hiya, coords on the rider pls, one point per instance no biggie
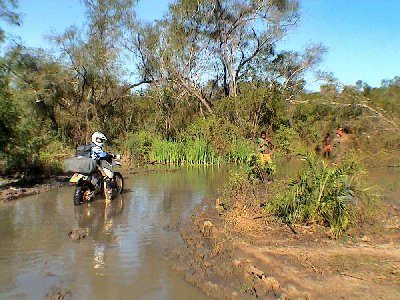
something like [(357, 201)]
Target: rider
[(97, 153), (96, 149)]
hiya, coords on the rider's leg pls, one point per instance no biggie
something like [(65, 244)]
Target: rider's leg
[(106, 185)]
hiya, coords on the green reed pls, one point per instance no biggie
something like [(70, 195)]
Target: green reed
[(197, 152)]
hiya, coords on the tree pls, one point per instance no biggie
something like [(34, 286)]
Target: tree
[(8, 15), (8, 111), (234, 33), (288, 68), (203, 46), (167, 56), (93, 58)]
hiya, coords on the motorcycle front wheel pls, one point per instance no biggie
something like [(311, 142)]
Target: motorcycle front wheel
[(79, 194), (117, 183)]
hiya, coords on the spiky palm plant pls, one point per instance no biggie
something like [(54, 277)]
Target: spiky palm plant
[(321, 192)]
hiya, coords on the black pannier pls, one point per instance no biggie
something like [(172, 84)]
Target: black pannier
[(80, 164)]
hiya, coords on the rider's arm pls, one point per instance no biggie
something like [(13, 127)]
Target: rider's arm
[(98, 153)]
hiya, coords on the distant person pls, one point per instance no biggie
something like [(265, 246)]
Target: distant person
[(265, 146), (339, 132), (326, 145)]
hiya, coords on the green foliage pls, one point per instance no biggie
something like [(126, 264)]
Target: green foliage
[(255, 106), (198, 151), (259, 170), (313, 119), (225, 138), (237, 186), (286, 139), (217, 131), (167, 152), (8, 112), (239, 151), (324, 193), (140, 144), (184, 109), (8, 14)]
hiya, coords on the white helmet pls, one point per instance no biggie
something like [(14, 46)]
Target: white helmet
[(98, 135)]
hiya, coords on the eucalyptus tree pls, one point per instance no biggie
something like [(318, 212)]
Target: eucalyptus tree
[(167, 57), (8, 14), (94, 58), (8, 112), (235, 33)]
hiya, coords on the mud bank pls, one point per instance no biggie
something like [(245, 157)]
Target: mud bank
[(29, 186), (255, 259)]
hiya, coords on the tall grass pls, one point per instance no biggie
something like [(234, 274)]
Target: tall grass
[(323, 193), (198, 151), (195, 151), (240, 152)]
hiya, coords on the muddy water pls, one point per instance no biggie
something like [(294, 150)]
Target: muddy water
[(122, 257), (386, 181)]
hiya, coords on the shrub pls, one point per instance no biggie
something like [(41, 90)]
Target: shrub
[(237, 186), (196, 151), (240, 151), (327, 194), (285, 139), (259, 170), (140, 144), (218, 132)]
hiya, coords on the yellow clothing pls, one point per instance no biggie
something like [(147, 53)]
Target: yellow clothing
[(266, 157)]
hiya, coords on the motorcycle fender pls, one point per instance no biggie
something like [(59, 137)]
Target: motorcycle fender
[(108, 173)]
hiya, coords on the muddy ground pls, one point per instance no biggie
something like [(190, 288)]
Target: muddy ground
[(12, 189), (254, 258)]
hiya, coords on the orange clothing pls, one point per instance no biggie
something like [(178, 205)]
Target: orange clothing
[(339, 132)]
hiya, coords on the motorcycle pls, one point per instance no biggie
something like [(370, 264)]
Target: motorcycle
[(88, 185)]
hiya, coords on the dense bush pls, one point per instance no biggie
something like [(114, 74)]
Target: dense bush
[(162, 125), (195, 151)]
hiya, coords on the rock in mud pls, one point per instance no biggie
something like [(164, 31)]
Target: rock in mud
[(58, 294), (207, 228), (237, 263), (77, 234)]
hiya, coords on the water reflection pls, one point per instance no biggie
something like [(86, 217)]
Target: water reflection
[(122, 256)]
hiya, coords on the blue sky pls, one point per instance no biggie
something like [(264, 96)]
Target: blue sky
[(362, 36)]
